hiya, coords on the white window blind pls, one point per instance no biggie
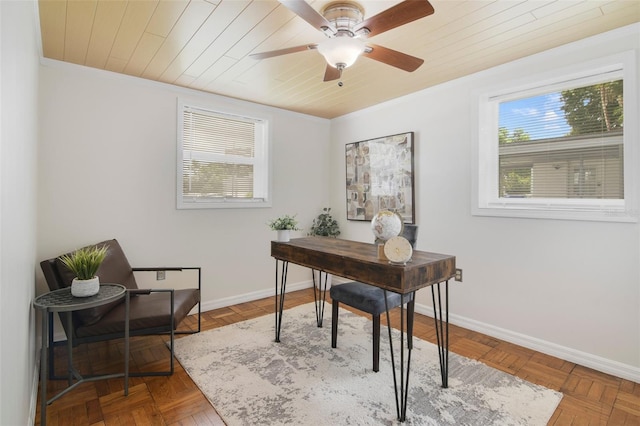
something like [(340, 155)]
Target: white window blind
[(557, 145), (563, 143), (222, 159)]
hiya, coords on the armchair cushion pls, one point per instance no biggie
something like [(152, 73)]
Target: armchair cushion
[(114, 269), (148, 311)]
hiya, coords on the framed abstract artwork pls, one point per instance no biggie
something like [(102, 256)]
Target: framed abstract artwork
[(380, 177)]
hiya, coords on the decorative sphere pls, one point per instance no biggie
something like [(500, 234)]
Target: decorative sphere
[(386, 224)]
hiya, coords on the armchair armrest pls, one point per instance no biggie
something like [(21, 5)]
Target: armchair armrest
[(136, 291), (179, 285), (172, 268), (165, 268)]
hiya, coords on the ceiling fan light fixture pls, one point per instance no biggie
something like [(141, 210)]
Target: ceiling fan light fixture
[(341, 52)]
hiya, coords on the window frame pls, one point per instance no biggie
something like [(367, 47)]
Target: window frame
[(261, 162), (485, 159)]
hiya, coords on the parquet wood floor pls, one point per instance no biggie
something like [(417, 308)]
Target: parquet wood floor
[(590, 397)]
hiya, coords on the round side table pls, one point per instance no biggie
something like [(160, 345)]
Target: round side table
[(62, 301)]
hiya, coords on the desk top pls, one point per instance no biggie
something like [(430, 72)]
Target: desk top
[(359, 261), (61, 300)]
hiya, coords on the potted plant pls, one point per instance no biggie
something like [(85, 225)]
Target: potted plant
[(84, 263), (325, 226), (284, 224)]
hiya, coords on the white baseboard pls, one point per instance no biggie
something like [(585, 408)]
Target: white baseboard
[(585, 359), (250, 297), (256, 295)]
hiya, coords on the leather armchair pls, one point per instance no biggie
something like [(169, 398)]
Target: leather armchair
[(150, 310)]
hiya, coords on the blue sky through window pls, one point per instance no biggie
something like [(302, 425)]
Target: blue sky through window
[(540, 116)]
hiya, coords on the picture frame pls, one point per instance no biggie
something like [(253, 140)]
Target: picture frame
[(379, 176)]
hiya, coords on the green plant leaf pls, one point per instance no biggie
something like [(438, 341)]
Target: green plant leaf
[(84, 262)]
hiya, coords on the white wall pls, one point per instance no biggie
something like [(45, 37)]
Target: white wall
[(570, 288), (107, 164), (18, 141)]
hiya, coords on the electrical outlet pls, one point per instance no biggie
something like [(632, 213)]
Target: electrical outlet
[(161, 275), (458, 275)]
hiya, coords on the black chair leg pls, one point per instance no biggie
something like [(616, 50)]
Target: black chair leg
[(334, 323), (376, 343)]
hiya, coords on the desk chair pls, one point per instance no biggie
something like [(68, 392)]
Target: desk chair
[(370, 299)]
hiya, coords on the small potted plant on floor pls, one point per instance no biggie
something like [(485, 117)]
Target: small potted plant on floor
[(84, 263), (324, 225), (284, 225)]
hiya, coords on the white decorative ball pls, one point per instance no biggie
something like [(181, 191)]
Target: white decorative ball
[(386, 224)]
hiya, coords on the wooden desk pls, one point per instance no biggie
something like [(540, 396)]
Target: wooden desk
[(359, 261)]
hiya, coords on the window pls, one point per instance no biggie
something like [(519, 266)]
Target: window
[(559, 147), (222, 159)]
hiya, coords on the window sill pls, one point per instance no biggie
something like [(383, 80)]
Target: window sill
[(612, 214), (227, 204)]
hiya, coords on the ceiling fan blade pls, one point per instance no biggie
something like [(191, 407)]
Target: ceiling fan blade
[(309, 14), (395, 16), (392, 57), (332, 73), (286, 51)]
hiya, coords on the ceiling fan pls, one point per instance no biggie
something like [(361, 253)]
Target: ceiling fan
[(342, 22)]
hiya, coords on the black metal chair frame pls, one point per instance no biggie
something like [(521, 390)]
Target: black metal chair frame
[(132, 333)]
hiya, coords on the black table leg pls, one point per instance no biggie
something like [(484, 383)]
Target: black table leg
[(51, 348), (442, 329), (404, 368), (70, 369), (319, 294), (43, 368), (280, 297), (127, 303)]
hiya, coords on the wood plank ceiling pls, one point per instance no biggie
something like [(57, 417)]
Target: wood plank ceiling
[(205, 45)]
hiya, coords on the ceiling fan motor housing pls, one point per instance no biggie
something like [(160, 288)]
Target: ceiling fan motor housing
[(344, 16)]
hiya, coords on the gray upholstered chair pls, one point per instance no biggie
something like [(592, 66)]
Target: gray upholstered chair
[(370, 299)]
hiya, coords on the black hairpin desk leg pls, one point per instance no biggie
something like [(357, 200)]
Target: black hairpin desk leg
[(404, 367), (442, 328), (280, 296), (319, 294)]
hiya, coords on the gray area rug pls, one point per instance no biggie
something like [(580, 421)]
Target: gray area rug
[(251, 380)]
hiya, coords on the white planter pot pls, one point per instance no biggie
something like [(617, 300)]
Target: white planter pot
[(284, 235), (85, 288), (316, 279)]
